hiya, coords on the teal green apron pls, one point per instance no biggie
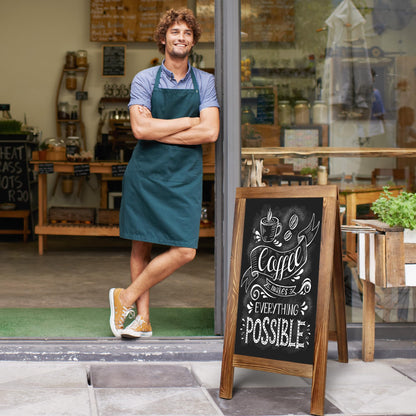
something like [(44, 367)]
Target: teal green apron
[(162, 185)]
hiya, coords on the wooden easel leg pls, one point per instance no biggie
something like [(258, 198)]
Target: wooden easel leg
[(227, 379), (325, 289), (369, 325), (339, 296)]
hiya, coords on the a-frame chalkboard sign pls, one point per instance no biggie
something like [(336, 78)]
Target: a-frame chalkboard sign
[(285, 282)]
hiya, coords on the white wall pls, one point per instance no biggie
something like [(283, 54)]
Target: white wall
[(35, 36)]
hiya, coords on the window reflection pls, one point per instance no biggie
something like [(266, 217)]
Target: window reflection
[(338, 73)]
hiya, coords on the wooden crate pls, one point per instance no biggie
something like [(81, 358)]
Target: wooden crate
[(384, 258), (71, 215), (107, 216)]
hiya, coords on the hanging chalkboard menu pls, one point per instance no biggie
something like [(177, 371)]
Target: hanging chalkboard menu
[(14, 178), (135, 20), (286, 254), (114, 60), (127, 20), (268, 21)]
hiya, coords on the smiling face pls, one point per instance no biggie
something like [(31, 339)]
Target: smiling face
[(179, 40)]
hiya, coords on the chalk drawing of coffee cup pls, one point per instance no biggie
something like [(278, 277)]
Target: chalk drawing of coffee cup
[(270, 227)]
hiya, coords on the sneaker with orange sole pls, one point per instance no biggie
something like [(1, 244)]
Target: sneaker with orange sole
[(138, 328), (118, 312)]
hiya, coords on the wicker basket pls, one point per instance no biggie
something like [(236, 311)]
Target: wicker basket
[(71, 215), (107, 216)]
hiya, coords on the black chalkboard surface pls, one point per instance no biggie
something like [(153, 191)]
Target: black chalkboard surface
[(14, 174), (286, 255), (279, 279), (114, 59)]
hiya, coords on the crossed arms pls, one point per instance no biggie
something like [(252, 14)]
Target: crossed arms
[(184, 130)]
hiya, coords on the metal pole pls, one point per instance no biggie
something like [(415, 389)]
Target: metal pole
[(228, 147)]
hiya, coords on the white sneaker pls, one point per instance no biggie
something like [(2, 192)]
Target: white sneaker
[(138, 328)]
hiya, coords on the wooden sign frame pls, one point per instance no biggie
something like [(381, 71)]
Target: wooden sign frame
[(111, 67), (330, 295)]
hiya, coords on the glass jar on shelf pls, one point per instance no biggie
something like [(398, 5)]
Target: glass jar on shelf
[(320, 112), (63, 110), (301, 112), (73, 147), (71, 81), (285, 113), (71, 129), (70, 60), (82, 58)]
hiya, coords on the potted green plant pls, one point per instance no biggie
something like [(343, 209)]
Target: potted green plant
[(43, 147), (397, 211)]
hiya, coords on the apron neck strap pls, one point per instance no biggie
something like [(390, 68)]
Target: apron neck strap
[(159, 72)]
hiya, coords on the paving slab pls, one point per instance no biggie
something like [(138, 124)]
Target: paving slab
[(405, 367), (141, 376), (155, 402), (35, 375), (374, 399), (357, 372), (373, 388), (270, 402), (41, 402), (208, 375)]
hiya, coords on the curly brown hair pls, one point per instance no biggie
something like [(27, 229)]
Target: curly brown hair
[(176, 16)]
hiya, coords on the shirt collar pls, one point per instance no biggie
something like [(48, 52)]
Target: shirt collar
[(171, 76)]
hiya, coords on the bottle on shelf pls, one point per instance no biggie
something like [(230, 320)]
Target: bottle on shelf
[(74, 112)]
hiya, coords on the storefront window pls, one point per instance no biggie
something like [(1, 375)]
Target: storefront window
[(336, 73)]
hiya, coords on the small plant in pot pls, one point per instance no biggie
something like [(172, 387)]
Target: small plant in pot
[(399, 211), (43, 147)]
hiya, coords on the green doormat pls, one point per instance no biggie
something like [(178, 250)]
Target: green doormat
[(94, 322)]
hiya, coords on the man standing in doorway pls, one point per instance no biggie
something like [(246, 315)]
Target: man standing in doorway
[(173, 110)]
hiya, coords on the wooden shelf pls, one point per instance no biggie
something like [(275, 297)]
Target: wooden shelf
[(92, 230), (78, 229), (325, 151)]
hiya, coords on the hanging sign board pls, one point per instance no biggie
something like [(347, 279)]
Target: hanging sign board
[(127, 20), (280, 284), (14, 178), (114, 60)]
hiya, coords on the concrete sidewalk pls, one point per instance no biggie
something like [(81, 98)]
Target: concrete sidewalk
[(44, 384), (385, 387)]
